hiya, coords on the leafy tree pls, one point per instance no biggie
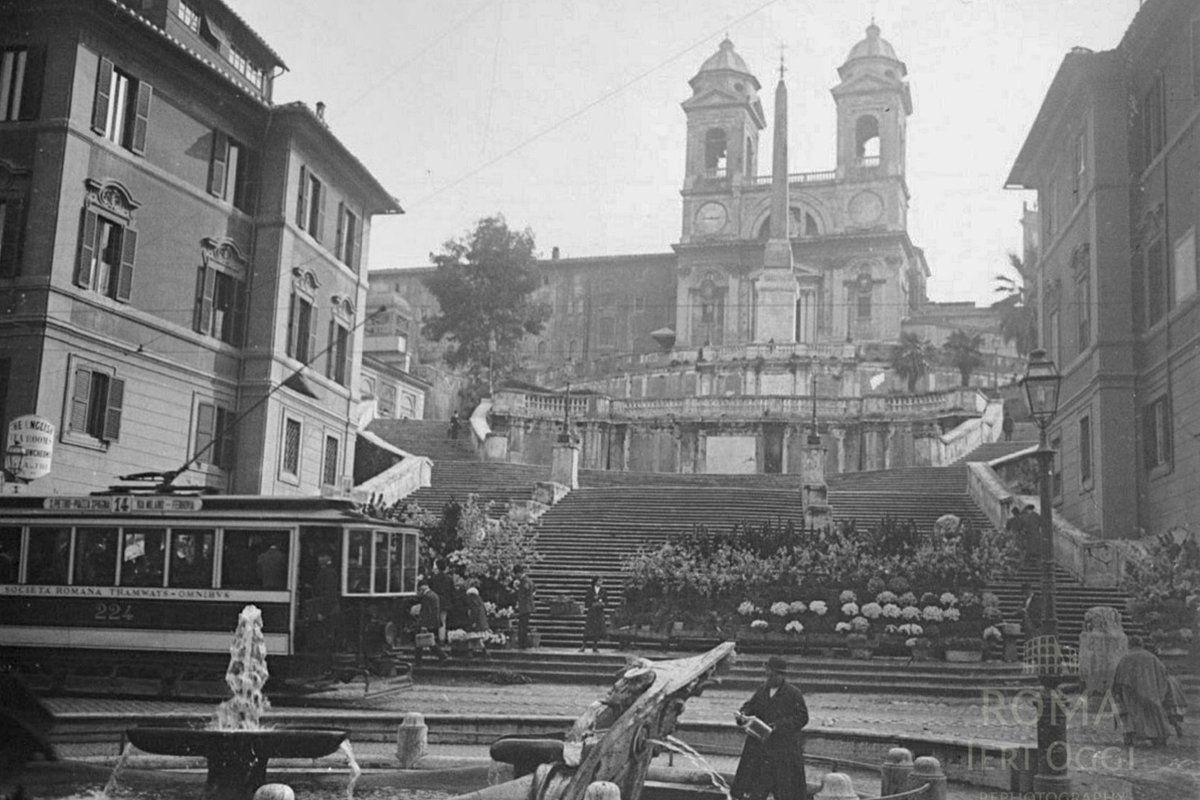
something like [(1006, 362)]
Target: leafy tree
[(963, 353), (484, 284), (912, 358), (1018, 307)]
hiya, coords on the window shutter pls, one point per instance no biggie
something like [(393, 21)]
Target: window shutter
[(13, 223), (79, 400), (358, 237), (100, 106), (31, 91), (87, 250), (205, 424), (141, 122), (216, 166), (112, 411), (319, 199), (341, 231), (331, 351), (302, 199), (347, 358), (246, 192), (293, 325), (1164, 411), (239, 313), (225, 429), (128, 255), (311, 355), (202, 313)]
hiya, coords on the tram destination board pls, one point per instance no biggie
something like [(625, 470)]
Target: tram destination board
[(125, 504)]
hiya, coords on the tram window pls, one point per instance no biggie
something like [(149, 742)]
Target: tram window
[(95, 556), (143, 553), (358, 563), (191, 558), (49, 556), (403, 575), (10, 554), (271, 564), (381, 562)]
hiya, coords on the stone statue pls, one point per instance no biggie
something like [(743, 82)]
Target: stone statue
[(1101, 645)]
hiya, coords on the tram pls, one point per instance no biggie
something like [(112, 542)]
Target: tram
[(136, 591)]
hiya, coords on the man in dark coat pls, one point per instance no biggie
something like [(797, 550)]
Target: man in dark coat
[(526, 590), (774, 764), (428, 620)]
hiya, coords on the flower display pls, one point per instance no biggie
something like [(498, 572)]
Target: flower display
[(885, 597), (872, 610), (929, 599), (907, 599), (948, 599), (847, 596), (850, 609), (991, 600), (794, 627), (746, 608), (992, 634), (797, 607), (992, 614), (910, 612), (818, 607), (931, 614), (910, 642), (780, 609), (842, 627), (890, 629), (456, 635), (891, 611), (860, 624), (951, 614), (759, 624), (911, 629)]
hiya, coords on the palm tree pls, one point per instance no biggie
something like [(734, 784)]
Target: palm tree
[(963, 353), (1018, 307), (912, 358)]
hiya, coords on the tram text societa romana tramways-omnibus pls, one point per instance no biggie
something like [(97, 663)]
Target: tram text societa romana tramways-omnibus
[(141, 592)]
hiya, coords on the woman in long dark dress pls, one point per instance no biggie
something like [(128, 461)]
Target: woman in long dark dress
[(595, 623)]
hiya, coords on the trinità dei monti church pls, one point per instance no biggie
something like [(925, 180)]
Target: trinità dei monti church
[(715, 357)]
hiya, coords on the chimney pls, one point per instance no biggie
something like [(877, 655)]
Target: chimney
[(554, 254), (321, 110)]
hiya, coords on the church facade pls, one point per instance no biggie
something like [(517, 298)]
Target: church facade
[(783, 289)]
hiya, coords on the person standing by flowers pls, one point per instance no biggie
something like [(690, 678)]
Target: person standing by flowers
[(595, 623), (773, 764), (477, 620), (526, 589)]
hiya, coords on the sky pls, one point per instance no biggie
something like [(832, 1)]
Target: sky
[(564, 115)]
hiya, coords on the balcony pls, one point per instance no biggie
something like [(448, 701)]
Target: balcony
[(867, 162), (798, 178)]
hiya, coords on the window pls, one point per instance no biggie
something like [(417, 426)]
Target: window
[(49, 556), (349, 237), (310, 205), (20, 82), (302, 329), (107, 243), (329, 469), (220, 307), (1085, 449), (1046, 204), (381, 562), (97, 399), (1056, 466), (714, 153), (121, 111), (189, 16), (387, 402), (1184, 266), (10, 554), (1156, 433), (1153, 133), (1156, 283), (230, 173), (12, 227), (191, 565), (95, 557), (290, 461), (337, 364), (639, 304), (1083, 310), (214, 436), (239, 62), (866, 140), (1080, 159), (864, 306), (1053, 336), (246, 558), (143, 553)]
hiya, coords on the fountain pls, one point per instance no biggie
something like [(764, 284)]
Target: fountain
[(235, 744)]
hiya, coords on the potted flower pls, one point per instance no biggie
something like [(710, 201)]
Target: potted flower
[(963, 649), (856, 640), (994, 641), (920, 647)]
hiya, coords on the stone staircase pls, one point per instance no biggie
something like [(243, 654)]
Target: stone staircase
[(427, 438), (990, 451), (591, 530), (920, 494), (1072, 600), (494, 482)]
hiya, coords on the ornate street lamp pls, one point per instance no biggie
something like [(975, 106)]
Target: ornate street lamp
[(1042, 381), (14, 459)]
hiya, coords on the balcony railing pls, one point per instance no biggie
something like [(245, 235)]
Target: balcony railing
[(868, 161), (797, 178)]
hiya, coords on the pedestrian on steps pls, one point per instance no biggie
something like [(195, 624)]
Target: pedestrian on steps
[(526, 589), (595, 623), (455, 424)]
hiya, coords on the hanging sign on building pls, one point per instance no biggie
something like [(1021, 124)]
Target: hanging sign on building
[(35, 436)]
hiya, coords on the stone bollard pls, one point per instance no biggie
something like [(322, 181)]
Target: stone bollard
[(837, 786), (895, 770), (927, 769), (412, 740), (602, 790), (274, 791)]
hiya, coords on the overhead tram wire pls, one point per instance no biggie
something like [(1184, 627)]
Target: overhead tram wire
[(588, 107)]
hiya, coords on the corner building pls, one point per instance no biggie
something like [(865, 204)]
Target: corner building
[(182, 260)]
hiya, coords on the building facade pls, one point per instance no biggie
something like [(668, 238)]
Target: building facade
[(183, 260), (1112, 155)]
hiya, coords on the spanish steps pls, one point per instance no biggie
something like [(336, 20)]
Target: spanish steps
[(613, 514)]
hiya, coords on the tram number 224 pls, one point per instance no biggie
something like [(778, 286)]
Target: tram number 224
[(113, 612)]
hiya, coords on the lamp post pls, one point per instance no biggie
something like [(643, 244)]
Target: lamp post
[(1042, 381)]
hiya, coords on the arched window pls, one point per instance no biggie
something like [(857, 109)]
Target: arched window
[(810, 225), (715, 153), (751, 163), (866, 140)]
